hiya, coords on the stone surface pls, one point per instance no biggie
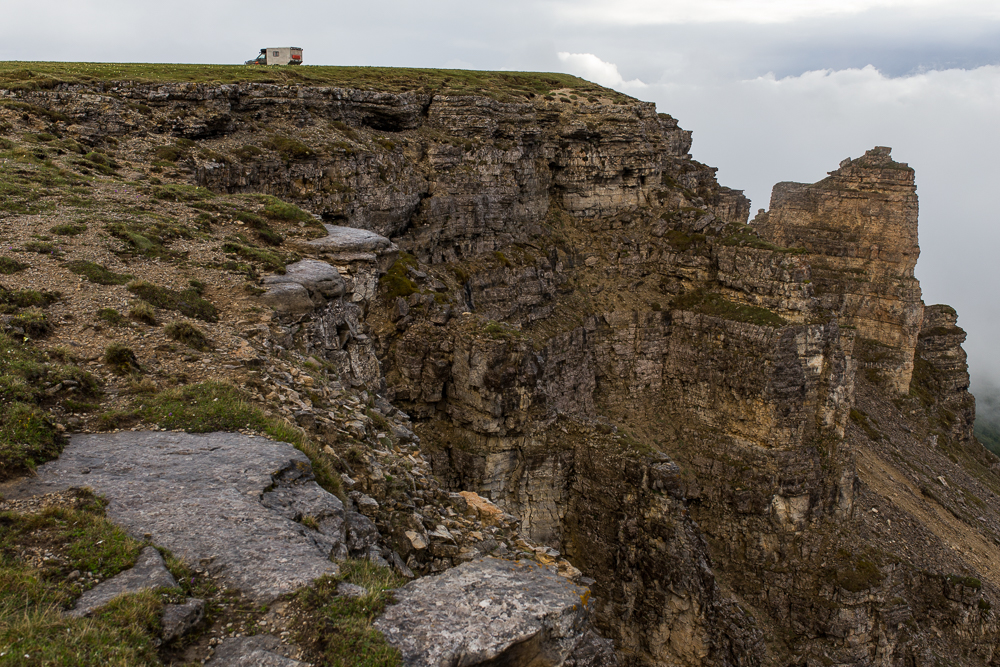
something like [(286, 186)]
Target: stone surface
[(350, 241), (148, 573), (288, 299), (255, 651), (179, 619), (317, 277), (207, 497), (493, 612)]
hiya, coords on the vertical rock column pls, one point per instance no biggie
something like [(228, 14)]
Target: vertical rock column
[(859, 227)]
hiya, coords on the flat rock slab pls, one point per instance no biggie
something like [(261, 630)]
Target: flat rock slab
[(203, 497), (350, 240), (497, 612), (148, 573)]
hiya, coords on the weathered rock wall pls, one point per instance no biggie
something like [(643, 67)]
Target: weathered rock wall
[(859, 228)]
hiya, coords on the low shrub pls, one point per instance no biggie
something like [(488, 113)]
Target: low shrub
[(187, 302), (121, 359), (112, 317), (188, 334), (9, 266), (68, 229), (96, 273)]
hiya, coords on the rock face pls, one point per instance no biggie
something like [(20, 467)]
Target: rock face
[(859, 230), (942, 371), (494, 612), (225, 500)]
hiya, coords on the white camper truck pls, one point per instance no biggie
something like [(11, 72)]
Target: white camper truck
[(278, 55)]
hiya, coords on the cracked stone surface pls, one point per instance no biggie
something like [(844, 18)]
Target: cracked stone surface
[(225, 500), (495, 612)]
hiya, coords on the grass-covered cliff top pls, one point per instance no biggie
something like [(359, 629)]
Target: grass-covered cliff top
[(17, 75)]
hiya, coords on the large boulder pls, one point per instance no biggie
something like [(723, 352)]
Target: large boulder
[(494, 612)]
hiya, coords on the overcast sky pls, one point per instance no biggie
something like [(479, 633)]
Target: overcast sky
[(774, 89)]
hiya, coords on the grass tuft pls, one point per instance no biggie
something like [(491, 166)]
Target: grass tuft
[(121, 358), (96, 273), (187, 302), (188, 334), (9, 266), (338, 629)]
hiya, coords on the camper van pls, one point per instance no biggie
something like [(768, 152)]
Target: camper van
[(278, 55)]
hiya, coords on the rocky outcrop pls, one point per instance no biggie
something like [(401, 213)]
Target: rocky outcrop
[(859, 230), (493, 612), (230, 502), (941, 375)]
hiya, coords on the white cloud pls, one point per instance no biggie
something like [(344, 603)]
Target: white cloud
[(648, 12), (592, 68)]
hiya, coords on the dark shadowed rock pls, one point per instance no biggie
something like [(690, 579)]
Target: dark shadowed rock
[(203, 497), (494, 612), (178, 619), (148, 573)]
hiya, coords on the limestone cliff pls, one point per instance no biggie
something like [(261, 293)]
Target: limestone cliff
[(754, 439)]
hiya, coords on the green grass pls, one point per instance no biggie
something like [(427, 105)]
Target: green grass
[(746, 236), (217, 406), (276, 209), (187, 302), (506, 86), (710, 303), (182, 193), (337, 629), (289, 148), (33, 322), (33, 629), (97, 273), (68, 229), (150, 238)]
